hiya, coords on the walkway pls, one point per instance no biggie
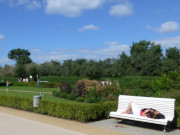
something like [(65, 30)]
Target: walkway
[(20, 122)]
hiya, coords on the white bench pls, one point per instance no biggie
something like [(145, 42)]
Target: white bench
[(166, 106)]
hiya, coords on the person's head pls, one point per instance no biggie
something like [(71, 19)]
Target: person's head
[(156, 112)]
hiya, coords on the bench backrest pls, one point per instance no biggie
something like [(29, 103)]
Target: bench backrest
[(165, 106)]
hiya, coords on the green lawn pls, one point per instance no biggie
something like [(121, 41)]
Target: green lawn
[(29, 93), (27, 88)]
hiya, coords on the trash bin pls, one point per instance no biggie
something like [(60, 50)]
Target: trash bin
[(36, 101)]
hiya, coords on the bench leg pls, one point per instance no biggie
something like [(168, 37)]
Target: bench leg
[(164, 129)]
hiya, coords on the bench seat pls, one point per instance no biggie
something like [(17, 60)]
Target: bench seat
[(166, 106), (139, 118)]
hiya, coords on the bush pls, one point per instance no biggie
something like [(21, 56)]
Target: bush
[(80, 99), (34, 84), (92, 100), (80, 90), (109, 91), (70, 79), (178, 116), (88, 84), (71, 96), (56, 93), (10, 78), (74, 111), (63, 95), (65, 87), (19, 84), (163, 83)]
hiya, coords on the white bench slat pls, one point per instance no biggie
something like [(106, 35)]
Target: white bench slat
[(165, 106)]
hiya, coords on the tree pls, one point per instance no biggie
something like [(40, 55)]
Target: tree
[(171, 60), (173, 53), (80, 69), (50, 68), (21, 56), (32, 69), (146, 58), (7, 70), (20, 71), (123, 65), (68, 67)]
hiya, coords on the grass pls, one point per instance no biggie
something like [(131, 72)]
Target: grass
[(27, 92), (27, 88)]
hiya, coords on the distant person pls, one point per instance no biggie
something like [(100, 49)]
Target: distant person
[(38, 82), (7, 85)]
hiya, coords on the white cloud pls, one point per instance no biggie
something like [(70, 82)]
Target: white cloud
[(169, 42), (35, 50), (5, 60), (121, 10), (29, 4), (33, 5), (88, 27), (112, 49), (167, 27), (71, 8), (2, 37)]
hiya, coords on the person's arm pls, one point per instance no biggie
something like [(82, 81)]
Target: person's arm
[(144, 113)]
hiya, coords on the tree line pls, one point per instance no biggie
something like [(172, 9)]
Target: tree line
[(145, 59)]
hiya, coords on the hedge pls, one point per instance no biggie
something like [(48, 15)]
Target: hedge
[(75, 111), (83, 112)]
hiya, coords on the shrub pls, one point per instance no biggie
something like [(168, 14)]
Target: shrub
[(163, 83), (19, 84), (70, 79), (88, 84), (178, 116), (111, 97), (92, 100), (56, 93), (74, 111), (65, 87), (80, 99), (109, 90), (63, 95), (34, 84), (80, 90), (173, 75), (71, 96)]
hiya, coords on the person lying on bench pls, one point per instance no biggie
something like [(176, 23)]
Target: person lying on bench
[(146, 112)]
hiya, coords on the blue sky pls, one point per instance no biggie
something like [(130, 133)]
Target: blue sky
[(91, 29)]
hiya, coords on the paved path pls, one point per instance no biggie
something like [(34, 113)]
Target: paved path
[(12, 125), (133, 127), (18, 122)]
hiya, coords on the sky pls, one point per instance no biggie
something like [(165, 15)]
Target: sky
[(91, 29)]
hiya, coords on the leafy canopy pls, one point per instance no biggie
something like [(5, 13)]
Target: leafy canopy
[(21, 56)]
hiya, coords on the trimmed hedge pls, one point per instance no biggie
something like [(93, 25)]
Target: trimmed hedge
[(178, 116), (34, 84), (70, 79), (74, 111)]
